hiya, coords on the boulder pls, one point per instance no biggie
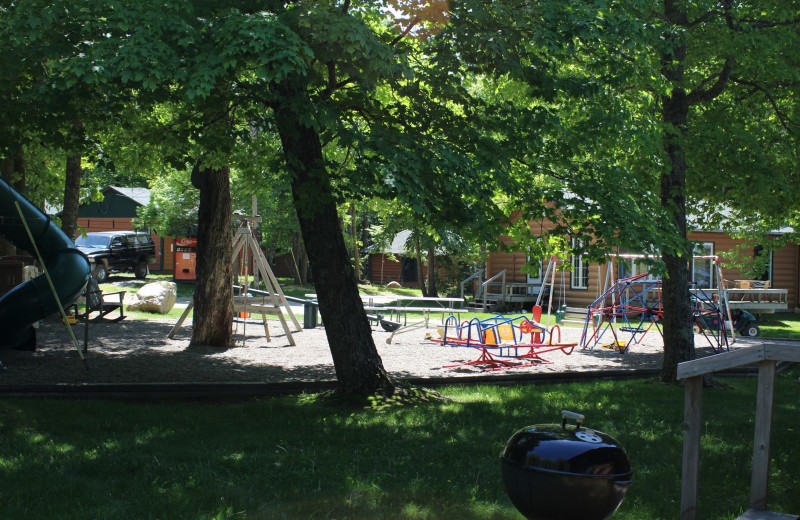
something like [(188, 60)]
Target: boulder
[(157, 297)]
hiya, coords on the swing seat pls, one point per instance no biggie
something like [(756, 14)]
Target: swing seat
[(632, 329)]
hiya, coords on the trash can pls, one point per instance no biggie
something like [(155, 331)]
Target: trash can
[(309, 315)]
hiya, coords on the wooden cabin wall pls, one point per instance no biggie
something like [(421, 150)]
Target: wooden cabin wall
[(391, 270)]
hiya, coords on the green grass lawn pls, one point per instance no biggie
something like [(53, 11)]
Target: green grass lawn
[(295, 458), (782, 325)]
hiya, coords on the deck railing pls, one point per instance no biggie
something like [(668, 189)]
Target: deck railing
[(693, 371)]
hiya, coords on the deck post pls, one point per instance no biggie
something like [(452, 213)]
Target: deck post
[(763, 429), (692, 420)]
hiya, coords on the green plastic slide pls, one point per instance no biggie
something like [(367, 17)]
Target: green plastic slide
[(33, 300)]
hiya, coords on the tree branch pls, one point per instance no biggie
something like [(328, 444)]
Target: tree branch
[(782, 117), (705, 17), (701, 94), (407, 30), (752, 23)]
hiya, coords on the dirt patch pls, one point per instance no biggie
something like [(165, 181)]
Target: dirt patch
[(138, 351)]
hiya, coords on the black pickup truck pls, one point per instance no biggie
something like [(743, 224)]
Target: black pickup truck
[(117, 251)]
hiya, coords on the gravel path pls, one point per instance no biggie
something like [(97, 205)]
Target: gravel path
[(138, 351)]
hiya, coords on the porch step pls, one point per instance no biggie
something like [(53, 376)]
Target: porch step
[(478, 305)]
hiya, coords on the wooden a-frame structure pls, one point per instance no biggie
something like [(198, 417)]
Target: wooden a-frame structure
[(266, 303)]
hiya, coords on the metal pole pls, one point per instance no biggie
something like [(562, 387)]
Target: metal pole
[(50, 281)]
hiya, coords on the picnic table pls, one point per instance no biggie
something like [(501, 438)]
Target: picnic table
[(425, 305), (397, 308), (372, 303)]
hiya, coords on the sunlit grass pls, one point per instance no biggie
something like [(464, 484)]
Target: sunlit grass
[(299, 457), (780, 325)]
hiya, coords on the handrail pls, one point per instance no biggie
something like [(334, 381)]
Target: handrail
[(693, 371), (737, 358), (485, 284), (478, 274)]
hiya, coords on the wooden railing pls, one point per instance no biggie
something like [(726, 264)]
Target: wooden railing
[(479, 276), (693, 371), (491, 281)]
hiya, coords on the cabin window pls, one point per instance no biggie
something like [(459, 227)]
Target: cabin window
[(628, 267), (767, 273), (702, 272), (580, 269)]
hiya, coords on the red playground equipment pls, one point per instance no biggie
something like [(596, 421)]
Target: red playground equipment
[(504, 341)]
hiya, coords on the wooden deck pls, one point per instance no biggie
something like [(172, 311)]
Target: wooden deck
[(759, 301)]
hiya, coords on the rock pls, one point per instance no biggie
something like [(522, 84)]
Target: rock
[(157, 297), (393, 285)]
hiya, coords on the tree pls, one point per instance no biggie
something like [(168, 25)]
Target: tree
[(626, 111), (720, 35)]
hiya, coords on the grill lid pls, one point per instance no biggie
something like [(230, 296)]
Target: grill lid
[(562, 448)]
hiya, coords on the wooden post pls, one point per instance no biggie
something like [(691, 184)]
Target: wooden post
[(692, 421), (764, 407)]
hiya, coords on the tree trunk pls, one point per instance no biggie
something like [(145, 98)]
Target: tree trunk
[(300, 259), (213, 293), (359, 368), (418, 258), (354, 234), (12, 169), (432, 272), (72, 194), (678, 337)]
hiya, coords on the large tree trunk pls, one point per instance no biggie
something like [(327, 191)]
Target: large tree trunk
[(72, 183), (12, 168), (72, 194), (678, 337), (359, 368), (213, 293)]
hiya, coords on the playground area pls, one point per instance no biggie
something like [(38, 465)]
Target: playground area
[(138, 351)]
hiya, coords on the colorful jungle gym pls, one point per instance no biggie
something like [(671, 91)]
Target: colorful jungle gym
[(633, 305), (66, 270)]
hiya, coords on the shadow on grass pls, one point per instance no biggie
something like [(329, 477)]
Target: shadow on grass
[(292, 458)]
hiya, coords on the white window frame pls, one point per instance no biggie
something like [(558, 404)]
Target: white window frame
[(579, 278), (708, 251)]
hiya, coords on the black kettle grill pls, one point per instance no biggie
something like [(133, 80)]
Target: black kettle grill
[(565, 472)]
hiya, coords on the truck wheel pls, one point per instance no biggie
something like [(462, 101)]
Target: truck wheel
[(140, 271), (100, 273), (752, 330)]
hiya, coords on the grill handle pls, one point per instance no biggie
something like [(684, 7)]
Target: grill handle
[(577, 417)]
